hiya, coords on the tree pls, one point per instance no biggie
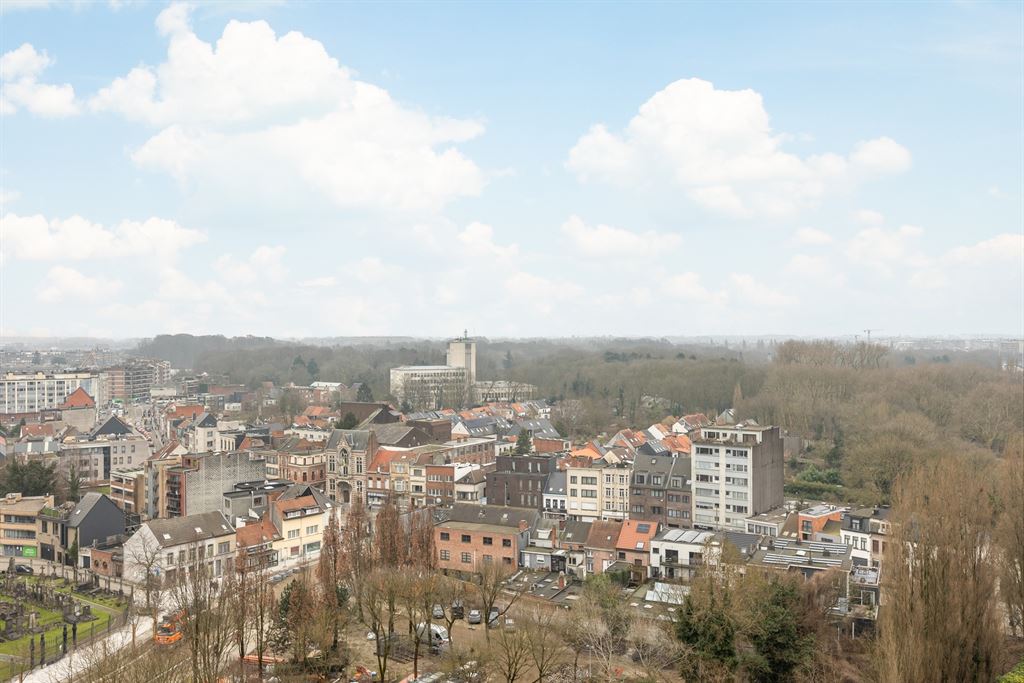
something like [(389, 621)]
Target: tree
[(545, 648), (364, 394), (147, 557), (422, 553), (357, 556), (330, 572), (654, 649), (490, 584), (206, 626), (32, 478), (707, 626), (390, 539), (237, 585), (350, 421), (291, 403), (774, 629), (313, 369), (451, 595), (74, 482), (524, 442), (941, 621), (510, 653), (377, 609), (1009, 535)]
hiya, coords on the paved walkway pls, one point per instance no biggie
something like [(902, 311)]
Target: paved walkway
[(77, 661)]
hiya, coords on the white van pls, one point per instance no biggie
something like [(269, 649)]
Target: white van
[(438, 638)]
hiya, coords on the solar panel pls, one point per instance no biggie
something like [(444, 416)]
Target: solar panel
[(643, 528)]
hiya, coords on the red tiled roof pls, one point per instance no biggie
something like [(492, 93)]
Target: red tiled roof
[(630, 535), (296, 503), (603, 535), (78, 398), (255, 533), (44, 429)]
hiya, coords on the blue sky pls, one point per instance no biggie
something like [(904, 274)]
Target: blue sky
[(300, 169)]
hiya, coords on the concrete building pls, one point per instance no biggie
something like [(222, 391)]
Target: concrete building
[(430, 387), (65, 530), (300, 523), (133, 381), (660, 490), (472, 535), (737, 472), (19, 517), (598, 489), (33, 392), (679, 553), (167, 547), (462, 354), (112, 445), (519, 480), (197, 485)]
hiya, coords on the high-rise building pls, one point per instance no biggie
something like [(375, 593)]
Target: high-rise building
[(462, 354), (737, 472), (33, 392)]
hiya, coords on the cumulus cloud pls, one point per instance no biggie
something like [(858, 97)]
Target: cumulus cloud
[(477, 240), (264, 264), (36, 238), (816, 268), (688, 287), (261, 109), (719, 147), (883, 250), (67, 284), (812, 237), (20, 87), (603, 241), (869, 217), (541, 294), (750, 291)]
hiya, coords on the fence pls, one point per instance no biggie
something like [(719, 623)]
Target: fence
[(38, 652)]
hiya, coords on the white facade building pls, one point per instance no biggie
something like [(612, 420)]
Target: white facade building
[(32, 392)]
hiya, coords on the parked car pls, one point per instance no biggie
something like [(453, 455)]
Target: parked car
[(474, 617), (510, 625), (23, 569), (458, 612), (492, 617), (437, 612)]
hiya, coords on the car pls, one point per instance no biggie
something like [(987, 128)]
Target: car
[(437, 612), (474, 617), (23, 569), (458, 612), (492, 617), (510, 625)]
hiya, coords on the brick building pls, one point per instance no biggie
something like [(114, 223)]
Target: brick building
[(471, 535)]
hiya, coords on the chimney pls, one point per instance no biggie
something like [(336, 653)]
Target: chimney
[(523, 526)]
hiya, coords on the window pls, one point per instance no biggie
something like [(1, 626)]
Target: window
[(488, 559), (467, 558), (223, 548), (506, 560), (445, 536), (445, 555), (588, 493), (466, 538), (312, 529), (506, 543), (572, 480), (488, 540), (170, 558), (293, 533)]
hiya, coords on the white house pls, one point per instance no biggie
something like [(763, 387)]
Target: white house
[(164, 547)]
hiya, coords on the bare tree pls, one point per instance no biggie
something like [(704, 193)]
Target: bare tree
[(146, 557), (490, 585), (390, 539), (421, 539), (510, 654), (1009, 535), (237, 587), (378, 604), (941, 621), (330, 573), (261, 596), (655, 649), (357, 554), (545, 646), (206, 626), (451, 595)]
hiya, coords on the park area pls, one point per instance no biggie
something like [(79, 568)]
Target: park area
[(44, 617)]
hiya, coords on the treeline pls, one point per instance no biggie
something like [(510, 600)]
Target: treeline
[(183, 350)]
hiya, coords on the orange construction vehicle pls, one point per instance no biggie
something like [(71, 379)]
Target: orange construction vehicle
[(169, 630)]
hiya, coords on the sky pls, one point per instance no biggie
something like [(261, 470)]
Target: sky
[(301, 169)]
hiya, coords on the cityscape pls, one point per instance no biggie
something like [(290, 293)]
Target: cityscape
[(504, 342)]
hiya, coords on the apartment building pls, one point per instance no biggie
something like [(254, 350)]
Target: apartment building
[(19, 523), (66, 529), (34, 392), (472, 535), (866, 531), (133, 380), (167, 548), (430, 387), (660, 491), (111, 445), (198, 484), (737, 472), (597, 489), (519, 480), (300, 523)]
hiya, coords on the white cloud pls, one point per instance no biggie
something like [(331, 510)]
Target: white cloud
[(603, 241), (477, 239), (869, 217), (747, 290), (262, 110), (815, 268), (539, 294), (35, 238), (883, 155), (19, 86), (67, 284), (812, 236), (264, 264), (687, 286), (719, 147), (884, 250), (7, 196), (322, 282), (371, 270), (1005, 247)]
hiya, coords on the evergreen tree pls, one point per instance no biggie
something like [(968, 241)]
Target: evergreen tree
[(524, 442), (363, 394), (350, 421)]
